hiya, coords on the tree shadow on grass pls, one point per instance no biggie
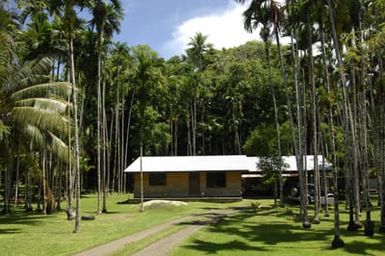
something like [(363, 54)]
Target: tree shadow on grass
[(272, 233), (104, 213), (216, 248), (5, 231), (19, 218), (361, 247)]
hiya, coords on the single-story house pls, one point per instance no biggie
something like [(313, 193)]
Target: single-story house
[(189, 176), (226, 176)]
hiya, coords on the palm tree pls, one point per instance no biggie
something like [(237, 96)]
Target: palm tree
[(70, 22), (36, 111), (337, 241), (106, 19), (269, 15), (198, 47), (146, 77)]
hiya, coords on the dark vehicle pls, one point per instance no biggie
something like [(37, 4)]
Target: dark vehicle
[(295, 195)]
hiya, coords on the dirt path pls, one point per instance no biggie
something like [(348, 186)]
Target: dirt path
[(161, 247), (165, 245)]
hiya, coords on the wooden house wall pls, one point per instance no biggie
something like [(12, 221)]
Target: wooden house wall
[(177, 185)]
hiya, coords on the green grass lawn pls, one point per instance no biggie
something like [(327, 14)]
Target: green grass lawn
[(36, 234), (269, 231), (265, 231)]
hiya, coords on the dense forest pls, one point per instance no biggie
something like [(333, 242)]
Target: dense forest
[(76, 106)]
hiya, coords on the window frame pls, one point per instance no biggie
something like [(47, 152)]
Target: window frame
[(157, 179), (216, 180)]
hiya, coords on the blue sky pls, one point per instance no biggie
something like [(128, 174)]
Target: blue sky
[(167, 25)]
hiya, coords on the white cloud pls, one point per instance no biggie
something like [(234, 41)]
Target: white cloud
[(224, 29)]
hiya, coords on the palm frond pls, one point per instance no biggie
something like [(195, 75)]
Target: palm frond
[(42, 119), (58, 147), (49, 104), (35, 135), (61, 89), (29, 73), (4, 130)]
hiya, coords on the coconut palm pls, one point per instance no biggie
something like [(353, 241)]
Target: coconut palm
[(35, 110)]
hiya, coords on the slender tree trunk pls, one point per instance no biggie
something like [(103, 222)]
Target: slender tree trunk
[(316, 219), (17, 175), (277, 126), (189, 148), (110, 181), (44, 185), (337, 241), (122, 152), (352, 108), (331, 131), (7, 181), (141, 178), (117, 131), (76, 140), (59, 188), (104, 131), (297, 135), (369, 226), (176, 137), (347, 109), (99, 103), (194, 126), (128, 126)]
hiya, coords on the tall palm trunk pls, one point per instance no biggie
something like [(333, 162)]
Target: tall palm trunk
[(128, 126), (194, 126), (104, 131), (347, 114), (117, 141), (176, 137), (316, 219), (337, 241), (69, 175), (330, 118), (76, 136), (122, 152), (17, 174), (44, 180), (277, 126), (369, 227), (189, 147), (285, 82), (297, 135), (98, 82), (355, 149)]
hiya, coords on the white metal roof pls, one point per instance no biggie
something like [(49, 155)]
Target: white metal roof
[(215, 163), (190, 163), (291, 163)]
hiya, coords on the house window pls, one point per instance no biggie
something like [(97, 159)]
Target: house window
[(157, 179), (216, 180)]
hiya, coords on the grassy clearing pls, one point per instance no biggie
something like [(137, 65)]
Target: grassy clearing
[(270, 231), (263, 231), (36, 234)]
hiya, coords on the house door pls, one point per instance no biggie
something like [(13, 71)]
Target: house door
[(194, 184)]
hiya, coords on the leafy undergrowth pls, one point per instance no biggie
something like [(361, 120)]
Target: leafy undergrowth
[(36, 234), (276, 231)]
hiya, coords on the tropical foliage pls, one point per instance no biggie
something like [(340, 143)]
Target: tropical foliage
[(76, 107)]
